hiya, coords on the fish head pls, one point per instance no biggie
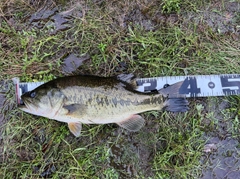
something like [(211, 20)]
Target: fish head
[(42, 101)]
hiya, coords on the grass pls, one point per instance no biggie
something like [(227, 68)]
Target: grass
[(170, 145)]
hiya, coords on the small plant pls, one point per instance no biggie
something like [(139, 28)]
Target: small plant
[(171, 6), (102, 48), (111, 173)]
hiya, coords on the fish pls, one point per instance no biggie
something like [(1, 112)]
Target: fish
[(86, 99)]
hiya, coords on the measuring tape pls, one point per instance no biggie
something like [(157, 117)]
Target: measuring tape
[(195, 85), (192, 86)]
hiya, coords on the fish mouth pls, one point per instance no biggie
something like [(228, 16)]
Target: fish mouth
[(22, 106), (25, 106)]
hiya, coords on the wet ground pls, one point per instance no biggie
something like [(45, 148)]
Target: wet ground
[(6, 90), (222, 150), (223, 160), (224, 19), (221, 155), (2, 99)]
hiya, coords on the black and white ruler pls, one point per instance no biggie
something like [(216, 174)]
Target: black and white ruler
[(192, 86), (195, 85)]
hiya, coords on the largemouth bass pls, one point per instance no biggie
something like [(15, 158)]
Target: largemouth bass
[(97, 100)]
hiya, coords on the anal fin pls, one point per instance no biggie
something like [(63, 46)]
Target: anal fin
[(133, 123), (75, 128)]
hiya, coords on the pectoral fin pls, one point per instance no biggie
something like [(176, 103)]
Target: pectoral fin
[(133, 123), (75, 128), (75, 109)]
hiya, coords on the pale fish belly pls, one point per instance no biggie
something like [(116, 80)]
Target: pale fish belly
[(94, 118)]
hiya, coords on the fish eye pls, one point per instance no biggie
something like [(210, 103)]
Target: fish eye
[(32, 94)]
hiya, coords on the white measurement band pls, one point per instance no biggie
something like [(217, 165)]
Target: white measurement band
[(195, 85)]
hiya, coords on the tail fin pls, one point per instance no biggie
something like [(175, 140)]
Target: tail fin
[(176, 105), (175, 102)]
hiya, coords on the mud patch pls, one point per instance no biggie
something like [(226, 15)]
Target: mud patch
[(71, 63), (54, 19), (221, 157), (224, 161), (132, 153), (222, 17)]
